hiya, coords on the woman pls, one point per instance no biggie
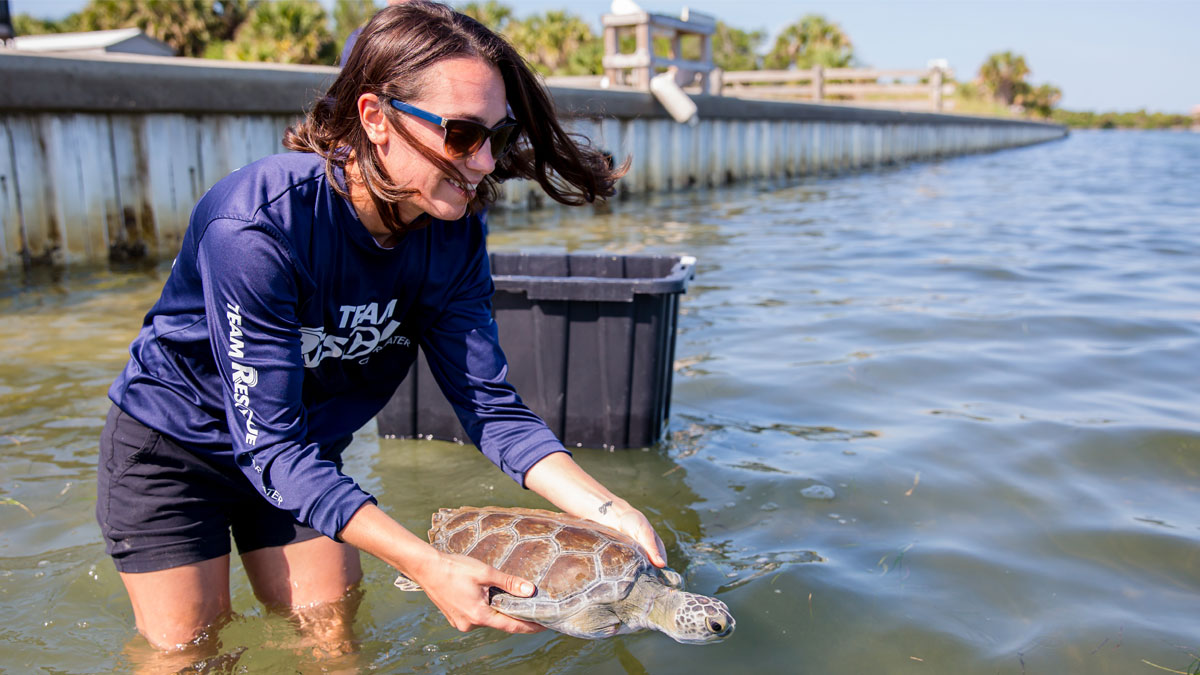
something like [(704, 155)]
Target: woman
[(303, 285)]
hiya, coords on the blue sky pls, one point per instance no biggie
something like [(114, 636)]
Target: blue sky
[(1105, 55)]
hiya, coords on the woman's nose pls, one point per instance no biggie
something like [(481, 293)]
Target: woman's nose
[(482, 160)]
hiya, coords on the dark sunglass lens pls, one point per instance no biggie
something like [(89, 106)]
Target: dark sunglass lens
[(501, 139), (464, 138)]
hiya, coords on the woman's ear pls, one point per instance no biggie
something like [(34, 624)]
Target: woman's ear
[(372, 119)]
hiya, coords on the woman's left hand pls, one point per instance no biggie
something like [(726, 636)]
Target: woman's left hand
[(559, 479), (632, 522)]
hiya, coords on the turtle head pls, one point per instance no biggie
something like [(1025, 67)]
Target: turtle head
[(691, 618)]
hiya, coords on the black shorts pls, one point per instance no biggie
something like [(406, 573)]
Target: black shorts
[(161, 506)]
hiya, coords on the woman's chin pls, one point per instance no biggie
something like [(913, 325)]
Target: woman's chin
[(447, 209), (448, 212)]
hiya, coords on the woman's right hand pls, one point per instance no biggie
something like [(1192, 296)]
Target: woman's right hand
[(460, 586)]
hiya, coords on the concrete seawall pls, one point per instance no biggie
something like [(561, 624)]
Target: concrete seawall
[(103, 159)]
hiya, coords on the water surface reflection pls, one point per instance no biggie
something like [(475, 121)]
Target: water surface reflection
[(936, 419)]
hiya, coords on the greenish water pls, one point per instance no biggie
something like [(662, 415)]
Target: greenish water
[(991, 364)]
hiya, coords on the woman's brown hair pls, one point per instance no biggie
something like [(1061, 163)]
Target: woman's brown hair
[(390, 59)]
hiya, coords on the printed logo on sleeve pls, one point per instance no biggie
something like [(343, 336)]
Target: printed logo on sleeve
[(244, 377)]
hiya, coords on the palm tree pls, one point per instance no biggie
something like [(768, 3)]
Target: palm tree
[(284, 31), (1041, 99), (809, 42), (557, 43), (491, 14), (187, 25), (348, 15), (24, 24), (1003, 74), (734, 48)]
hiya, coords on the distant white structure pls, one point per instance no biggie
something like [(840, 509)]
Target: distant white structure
[(624, 7), (119, 41)]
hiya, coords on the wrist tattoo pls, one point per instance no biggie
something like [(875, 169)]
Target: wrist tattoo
[(604, 507)]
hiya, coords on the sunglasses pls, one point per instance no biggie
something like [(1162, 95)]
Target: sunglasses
[(463, 138)]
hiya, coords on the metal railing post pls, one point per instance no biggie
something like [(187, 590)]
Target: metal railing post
[(935, 80)]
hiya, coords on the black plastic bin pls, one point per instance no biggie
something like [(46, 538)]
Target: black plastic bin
[(590, 341)]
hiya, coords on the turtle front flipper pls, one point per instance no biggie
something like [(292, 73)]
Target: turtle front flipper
[(405, 584), (591, 623), (673, 578)]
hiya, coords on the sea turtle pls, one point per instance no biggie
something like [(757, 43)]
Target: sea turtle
[(592, 581)]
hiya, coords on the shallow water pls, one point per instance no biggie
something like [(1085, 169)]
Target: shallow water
[(933, 419)]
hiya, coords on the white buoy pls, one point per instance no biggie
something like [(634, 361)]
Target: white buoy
[(681, 106)]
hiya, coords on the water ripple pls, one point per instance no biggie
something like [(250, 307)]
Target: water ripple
[(989, 361)]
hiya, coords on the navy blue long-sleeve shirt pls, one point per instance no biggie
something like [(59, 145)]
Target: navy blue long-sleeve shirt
[(284, 327)]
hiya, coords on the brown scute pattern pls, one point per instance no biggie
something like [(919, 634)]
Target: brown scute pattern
[(573, 562), (536, 527), (572, 604), (461, 541), (569, 573), (457, 522), (606, 589), (492, 548), (576, 539), (495, 521), (529, 559), (617, 557)]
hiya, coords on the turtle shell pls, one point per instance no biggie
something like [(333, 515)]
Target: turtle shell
[(575, 563)]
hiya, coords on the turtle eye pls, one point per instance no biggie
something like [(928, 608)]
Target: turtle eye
[(715, 626)]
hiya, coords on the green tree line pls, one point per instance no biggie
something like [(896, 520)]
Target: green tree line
[(1126, 120), (556, 42), (287, 31)]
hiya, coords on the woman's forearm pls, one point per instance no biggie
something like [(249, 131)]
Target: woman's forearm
[(377, 533), (566, 485)]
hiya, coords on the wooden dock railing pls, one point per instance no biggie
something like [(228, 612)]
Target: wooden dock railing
[(860, 85), (918, 89)]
